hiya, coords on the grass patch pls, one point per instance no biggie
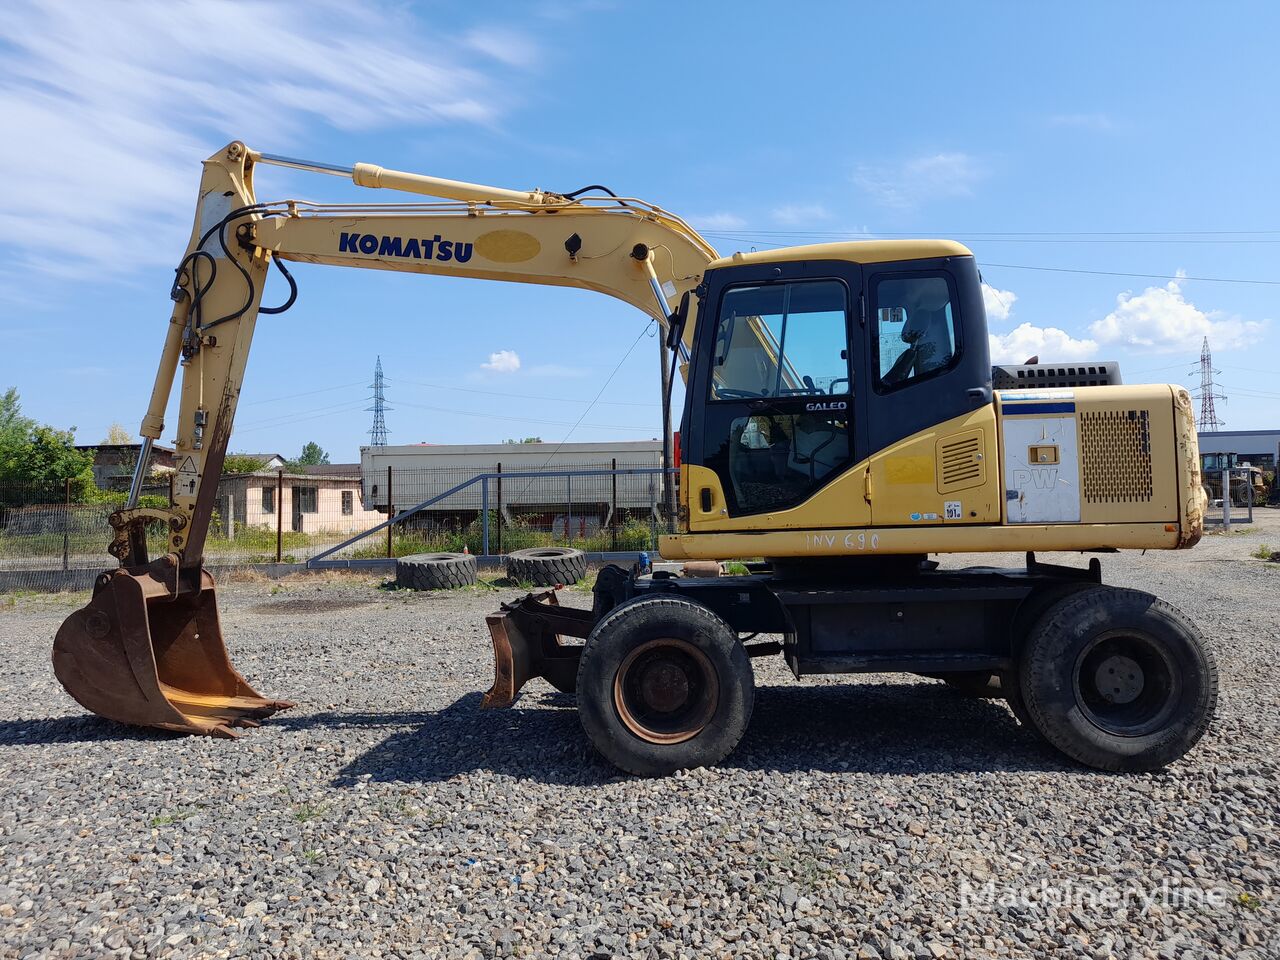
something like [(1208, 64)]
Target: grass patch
[(311, 856), (1264, 552), (1250, 901), (632, 535), (177, 816), (308, 811)]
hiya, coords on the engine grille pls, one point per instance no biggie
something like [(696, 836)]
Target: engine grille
[(961, 464), (1116, 449)]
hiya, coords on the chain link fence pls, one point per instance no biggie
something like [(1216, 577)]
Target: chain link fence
[(47, 533)]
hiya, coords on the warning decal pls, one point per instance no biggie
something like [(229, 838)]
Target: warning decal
[(188, 468)]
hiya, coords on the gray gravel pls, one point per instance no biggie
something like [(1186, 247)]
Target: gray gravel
[(386, 816)]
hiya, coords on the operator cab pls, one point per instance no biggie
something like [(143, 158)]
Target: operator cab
[(810, 359)]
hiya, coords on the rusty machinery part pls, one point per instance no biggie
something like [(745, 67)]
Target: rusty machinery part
[(128, 540), (436, 571), (666, 690), (664, 684), (547, 566), (531, 639), (147, 652)]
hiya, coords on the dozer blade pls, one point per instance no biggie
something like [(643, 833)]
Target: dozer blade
[(145, 652), (528, 641)]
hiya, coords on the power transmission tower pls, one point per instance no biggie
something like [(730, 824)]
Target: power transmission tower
[(1209, 392), (378, 433)]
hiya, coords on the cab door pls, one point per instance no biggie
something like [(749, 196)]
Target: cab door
[(771, 415)]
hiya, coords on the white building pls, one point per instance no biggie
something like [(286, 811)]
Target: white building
[(1259, 448)]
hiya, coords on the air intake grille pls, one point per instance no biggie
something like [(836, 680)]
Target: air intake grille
[(960, 462), (1116, 452)]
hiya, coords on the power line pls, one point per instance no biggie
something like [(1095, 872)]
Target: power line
[(515, 396), (996, 233), (1117, 273), (1096, 273), (306, 393), (497, 416)]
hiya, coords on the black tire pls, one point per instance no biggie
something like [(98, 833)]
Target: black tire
[(436, 571), (1118, 679), (547, 566), (979, 683), (664, 637)]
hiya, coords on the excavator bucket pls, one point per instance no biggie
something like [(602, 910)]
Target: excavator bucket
[(147, 653)]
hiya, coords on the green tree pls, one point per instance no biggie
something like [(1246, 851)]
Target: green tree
[(45, 458), (242, 463), (12, 422), (32, 454), (312, 455)]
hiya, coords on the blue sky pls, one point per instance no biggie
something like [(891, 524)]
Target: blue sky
[(1113, 138)]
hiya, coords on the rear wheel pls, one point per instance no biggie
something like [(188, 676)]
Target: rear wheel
[(1118, 679), (663, 685)]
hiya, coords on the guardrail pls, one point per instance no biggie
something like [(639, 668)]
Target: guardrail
[(320, 560)]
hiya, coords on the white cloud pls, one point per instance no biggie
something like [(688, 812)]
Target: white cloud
[(908, 185), (717, 221), (800, 214), (506, 46), (999, 303), (504, 361), (1084, 121), (116, 105), (1050, 344), (1163, 320)]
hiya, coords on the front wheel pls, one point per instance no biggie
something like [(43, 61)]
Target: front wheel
[(664, 685), (1118, 679)]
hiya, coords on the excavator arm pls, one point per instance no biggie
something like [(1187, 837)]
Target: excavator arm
[(148, 648)]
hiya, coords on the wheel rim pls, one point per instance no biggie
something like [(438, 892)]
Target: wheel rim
[(666, 691), (1126, 684)]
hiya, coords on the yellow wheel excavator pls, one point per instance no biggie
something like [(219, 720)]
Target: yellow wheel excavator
[(842, 422)]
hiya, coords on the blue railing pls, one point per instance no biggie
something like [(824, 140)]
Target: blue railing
[(484, 479)]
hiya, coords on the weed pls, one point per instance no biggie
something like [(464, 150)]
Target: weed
[(167, 819), (735, 569), (1250, 901), (1264, 552), (307, 811), (311, 856)]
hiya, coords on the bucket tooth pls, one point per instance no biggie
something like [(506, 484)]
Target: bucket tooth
[(147, 653)]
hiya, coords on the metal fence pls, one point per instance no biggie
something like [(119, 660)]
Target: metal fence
[(285, 517)]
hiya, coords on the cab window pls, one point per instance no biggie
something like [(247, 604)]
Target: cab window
[(781, 340), (915, 328)]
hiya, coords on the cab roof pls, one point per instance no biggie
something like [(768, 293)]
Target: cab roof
[(853, 251)]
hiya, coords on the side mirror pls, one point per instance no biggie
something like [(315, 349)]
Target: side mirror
[(676, 322)]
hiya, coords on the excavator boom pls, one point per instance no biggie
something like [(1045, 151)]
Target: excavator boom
[(148, 648)]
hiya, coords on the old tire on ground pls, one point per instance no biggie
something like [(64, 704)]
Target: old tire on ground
[(977, 683), (664, 685), (436, 571), (1118, 679), (547, 566)]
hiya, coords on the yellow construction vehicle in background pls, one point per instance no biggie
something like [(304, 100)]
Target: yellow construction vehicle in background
[(841, 420)]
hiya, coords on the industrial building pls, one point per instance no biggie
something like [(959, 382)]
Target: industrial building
[(1260, 448)]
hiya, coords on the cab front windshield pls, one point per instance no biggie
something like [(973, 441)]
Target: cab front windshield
[(781, 340)]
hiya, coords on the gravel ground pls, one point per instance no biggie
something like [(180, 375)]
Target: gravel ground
[(386, 816)]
